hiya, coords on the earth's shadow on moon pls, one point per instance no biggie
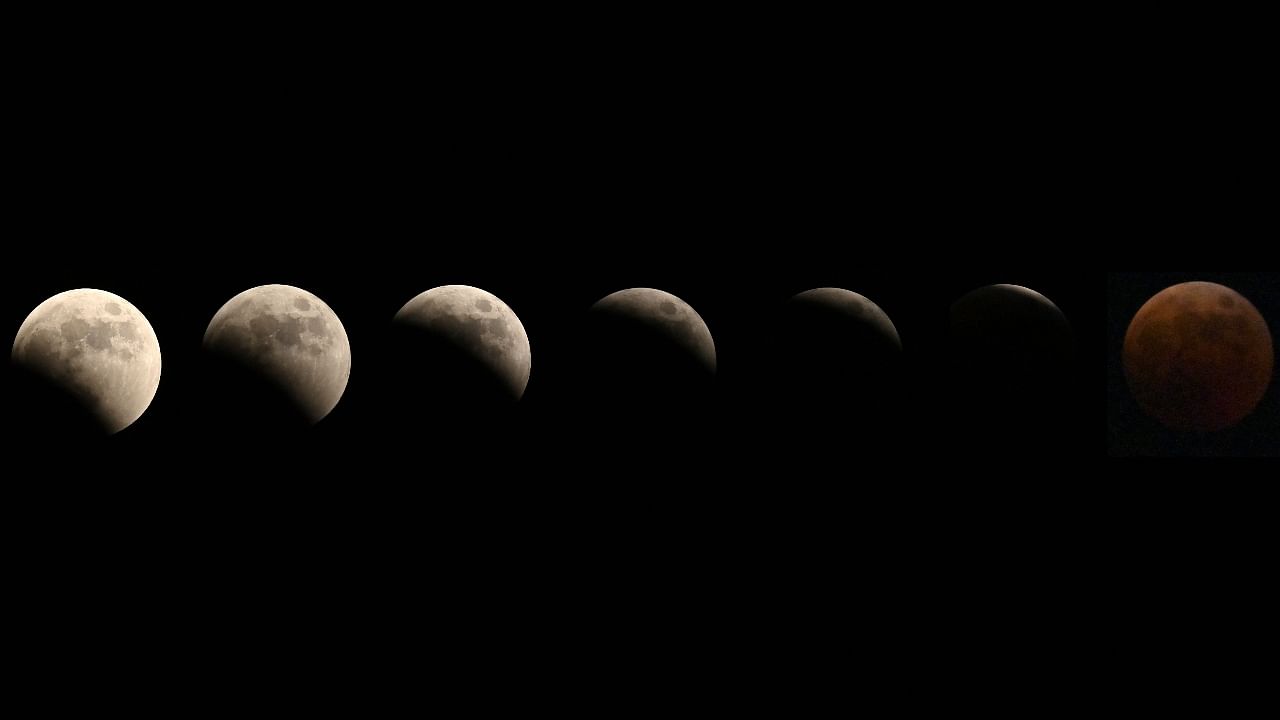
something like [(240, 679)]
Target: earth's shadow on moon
[(630, 367), (1009, 376), (238, 400), (50, 411), (433, 383), (640, 402), (832, 377)]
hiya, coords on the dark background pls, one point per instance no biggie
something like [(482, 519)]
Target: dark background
[(732, 167)]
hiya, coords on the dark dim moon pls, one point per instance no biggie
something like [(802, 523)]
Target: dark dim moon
[(849, 310), (1198, 357), (835, 347), (291, 339), (97, 348), (1010, 326), (480, 335), (666, 316), (1012, 382)]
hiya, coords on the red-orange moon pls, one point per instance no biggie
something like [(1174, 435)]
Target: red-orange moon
[(1198, 357)]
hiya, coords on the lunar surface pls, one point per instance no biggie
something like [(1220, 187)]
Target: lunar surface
[(292, 339), (475, 326), (665, 315), (1198, 357), (96, 347)]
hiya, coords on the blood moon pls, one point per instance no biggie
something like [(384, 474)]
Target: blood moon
[(1198, 357)]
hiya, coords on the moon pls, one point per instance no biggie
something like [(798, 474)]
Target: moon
[(1012, 384), (643, 354), (291, 339), (1198, 357), (1010, 327), (98, 348), (848, 310), (834, 347), (666, 316), (474, 324)]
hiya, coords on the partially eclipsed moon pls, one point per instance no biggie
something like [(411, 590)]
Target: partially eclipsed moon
[(836, 349), (1013, 319), (1012, 367), (98, 348), (292, 338), (856, 311), (665, 314), (1198, 357), (477, 324)]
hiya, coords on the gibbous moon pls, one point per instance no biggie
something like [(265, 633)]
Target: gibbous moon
[(98, 349), (475, 328), (666, 316), (289, 338), (1198, 357)]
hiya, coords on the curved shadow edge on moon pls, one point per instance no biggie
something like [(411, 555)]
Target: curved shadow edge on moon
[(1013, 381), (847, 308), (667, 316), (1014, 317), (834, 349), (481, 335)]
